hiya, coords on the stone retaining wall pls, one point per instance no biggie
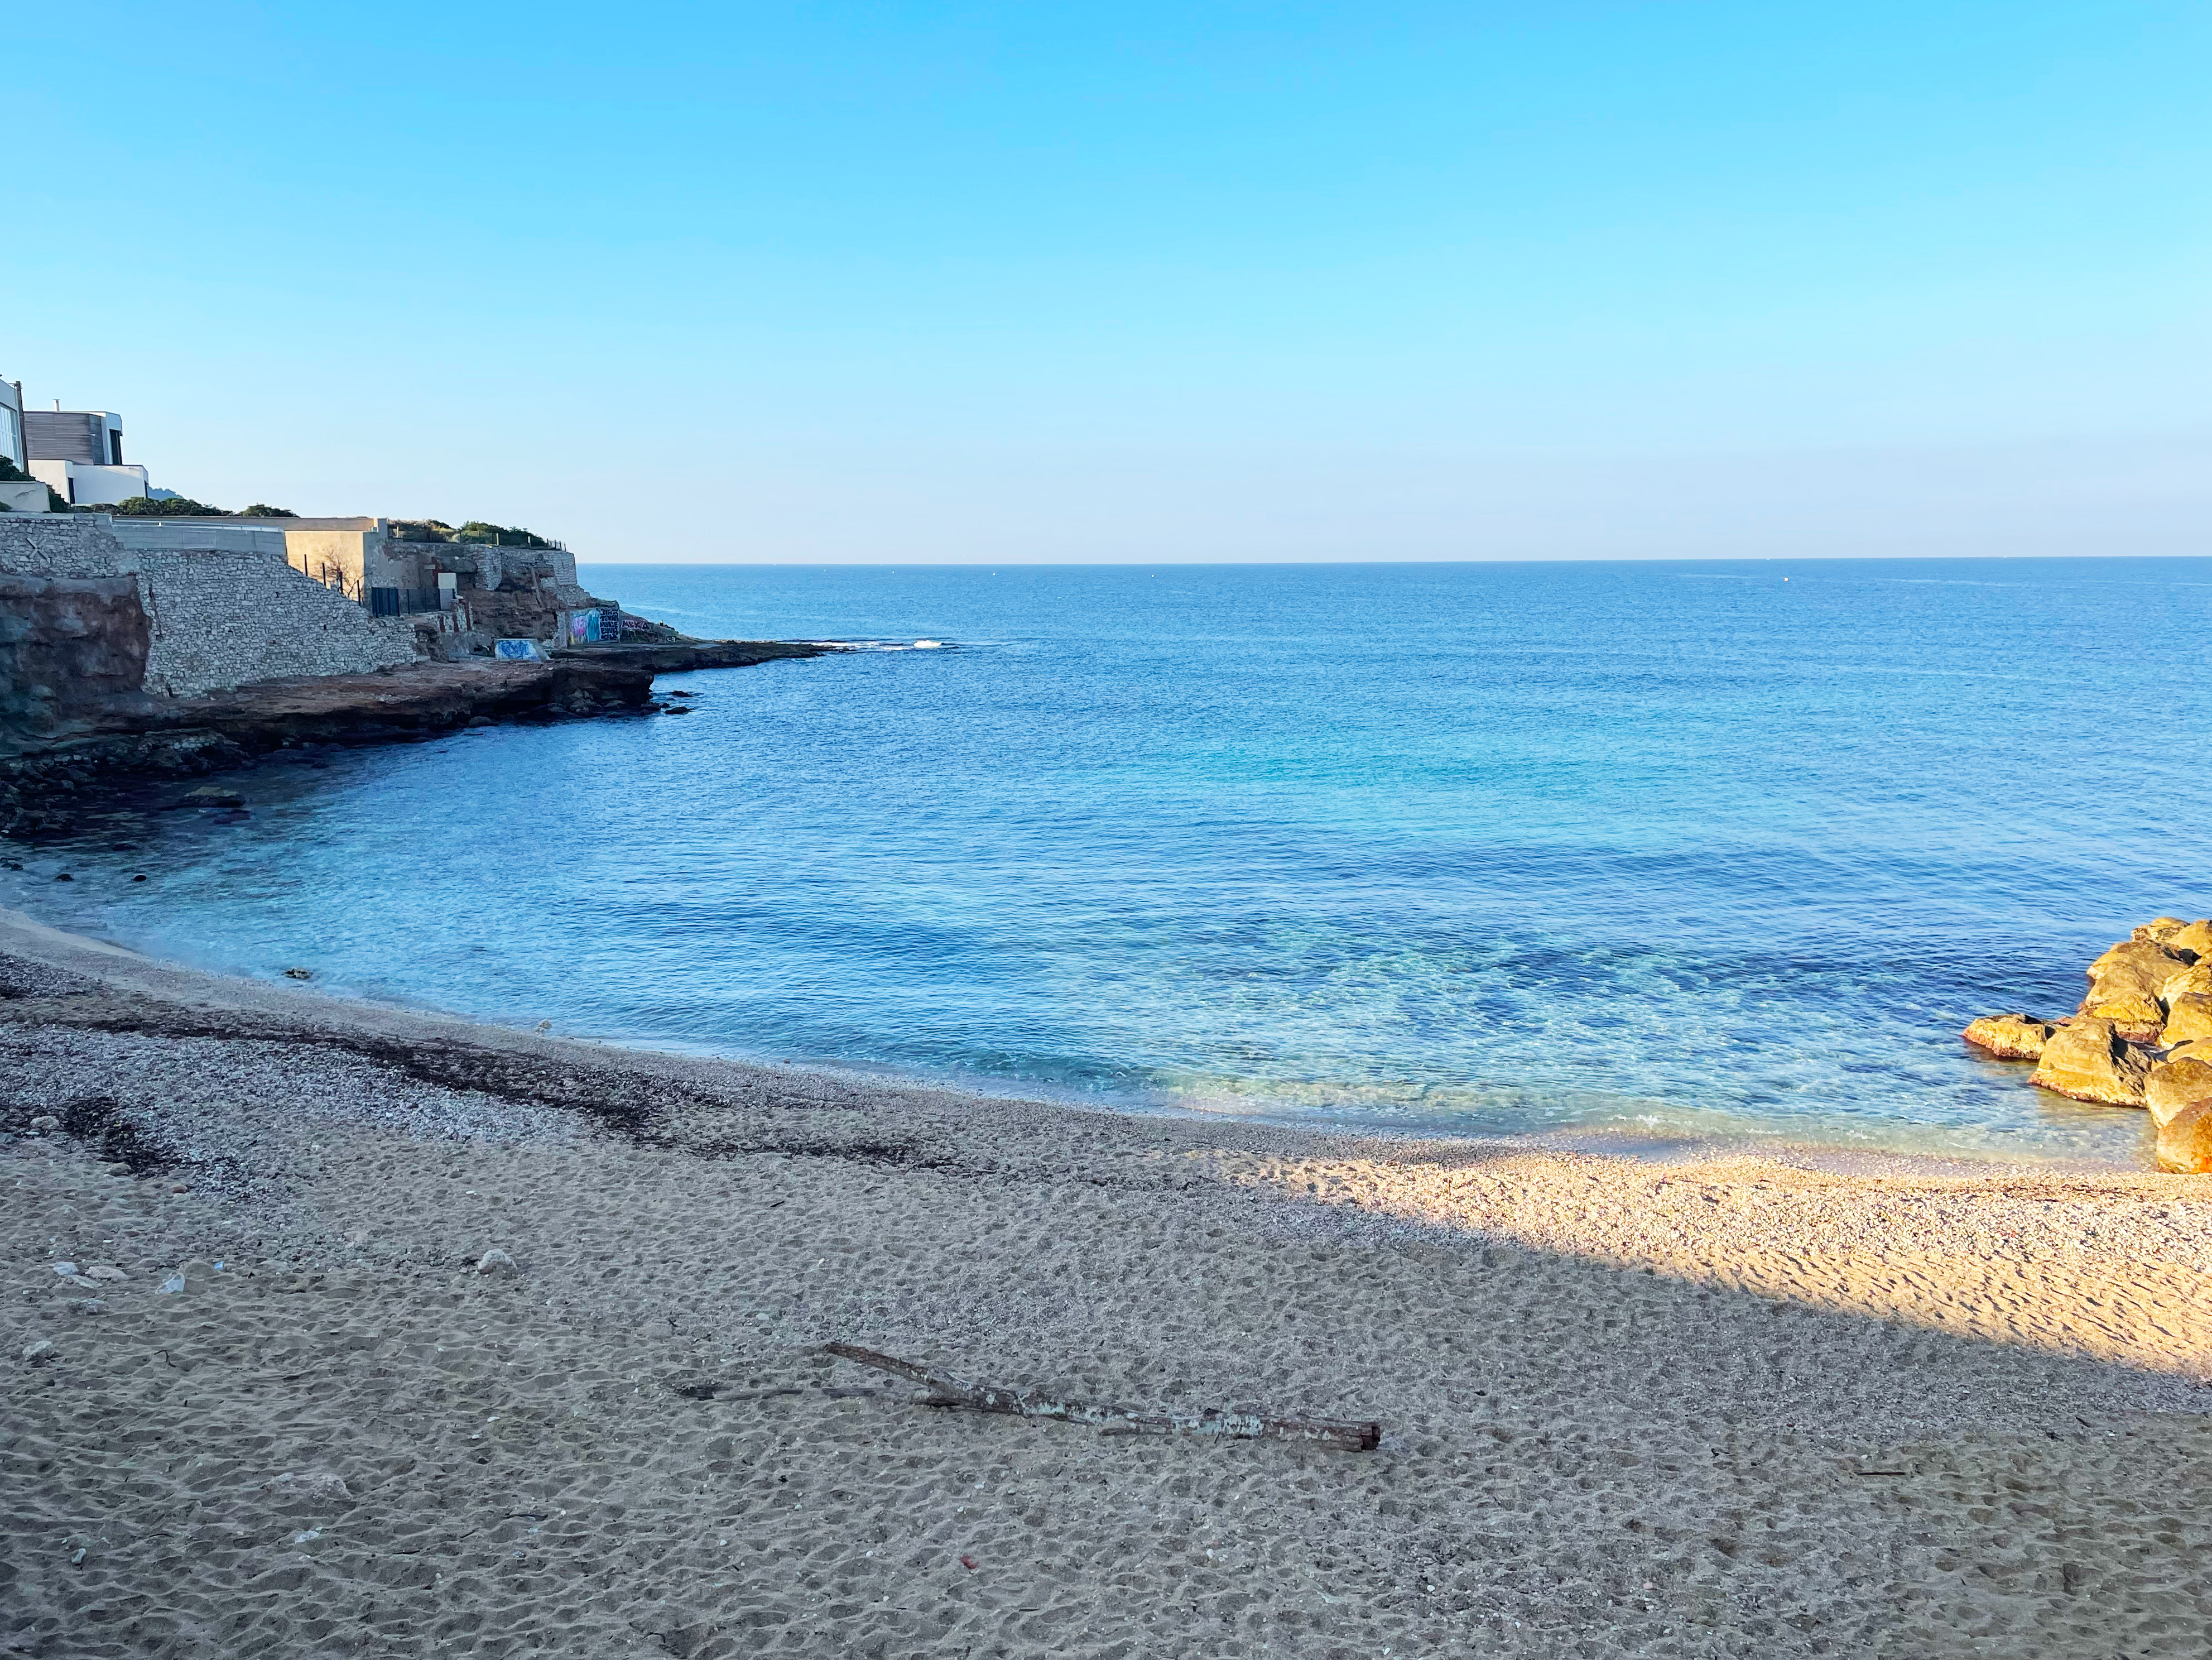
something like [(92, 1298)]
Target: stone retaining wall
[(217, 616)]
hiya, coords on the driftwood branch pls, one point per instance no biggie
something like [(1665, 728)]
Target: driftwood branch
[(946, 1390)]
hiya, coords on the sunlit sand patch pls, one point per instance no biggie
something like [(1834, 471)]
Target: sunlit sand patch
[(2112, 1267)]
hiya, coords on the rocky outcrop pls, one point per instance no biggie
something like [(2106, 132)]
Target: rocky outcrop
[(2196, 937), (50, 784), (2127, 986), (2195, 979), (676, 657), (2188, 1020), (68, 647), (2177, 1082), (2143, 1037), (51, 787), (2090, 1060), (2184, 1143), (2010, 1036)]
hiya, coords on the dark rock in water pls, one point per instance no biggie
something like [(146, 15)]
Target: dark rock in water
[(138, 879), (2010, 1036), (299, 974), (65, 877), (56, 774)]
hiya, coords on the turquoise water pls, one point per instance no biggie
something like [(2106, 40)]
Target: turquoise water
[(1662, 849)]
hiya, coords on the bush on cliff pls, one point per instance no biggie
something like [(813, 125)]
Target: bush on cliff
[(175, 507), (262, 510), (499, 536)]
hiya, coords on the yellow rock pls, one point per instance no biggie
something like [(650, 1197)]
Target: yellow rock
[(2124, 985), (2010, 1036), (2189, 1019), (2176, 1084), (2197, 980), (2185, 1142), (2196, 937), (2090, 1061), (2161, 928)]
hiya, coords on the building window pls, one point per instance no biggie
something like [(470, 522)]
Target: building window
[(115, 447), (11, 435)]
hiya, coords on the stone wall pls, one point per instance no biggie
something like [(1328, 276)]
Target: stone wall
[(223, 619), (217, 615)]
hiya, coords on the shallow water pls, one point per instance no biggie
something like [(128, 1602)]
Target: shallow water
[(1660, 849)]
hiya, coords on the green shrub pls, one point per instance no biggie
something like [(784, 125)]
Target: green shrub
[(176, 506), (12, 474), (499, 536), (262, 510)]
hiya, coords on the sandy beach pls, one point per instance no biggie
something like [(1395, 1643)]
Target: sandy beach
[(284, 1405)]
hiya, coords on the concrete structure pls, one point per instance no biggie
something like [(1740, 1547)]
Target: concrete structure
[(218, 602), (16, 496), (79, 452), (487, 591), (11, 425)]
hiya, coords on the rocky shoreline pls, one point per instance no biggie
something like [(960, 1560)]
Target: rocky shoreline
[(2142, 1038), (50, 782)]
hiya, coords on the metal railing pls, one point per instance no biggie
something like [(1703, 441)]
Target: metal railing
[(403, 602)]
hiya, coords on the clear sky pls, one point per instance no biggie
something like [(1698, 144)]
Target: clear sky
[(1138, 281)]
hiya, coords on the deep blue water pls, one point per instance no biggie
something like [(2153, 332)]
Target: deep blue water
[(1674, 849)]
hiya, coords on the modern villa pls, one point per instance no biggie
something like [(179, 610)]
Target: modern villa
[(78, 455)]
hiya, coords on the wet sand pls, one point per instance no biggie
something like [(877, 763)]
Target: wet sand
[(1733, 1406)]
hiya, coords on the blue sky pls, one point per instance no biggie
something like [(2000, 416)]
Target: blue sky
[(835, 282)]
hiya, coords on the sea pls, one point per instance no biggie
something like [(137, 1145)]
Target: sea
[(1638, 855)]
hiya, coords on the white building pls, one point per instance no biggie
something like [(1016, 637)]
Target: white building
[(16, 497), (11, 424), (78, 454)]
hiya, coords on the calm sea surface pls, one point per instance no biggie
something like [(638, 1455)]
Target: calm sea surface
[(1726, 849)]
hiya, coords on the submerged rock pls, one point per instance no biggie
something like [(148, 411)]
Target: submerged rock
[(2177, 1083), (2010, 1036), (2185, 1144), (2091, 1061)]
